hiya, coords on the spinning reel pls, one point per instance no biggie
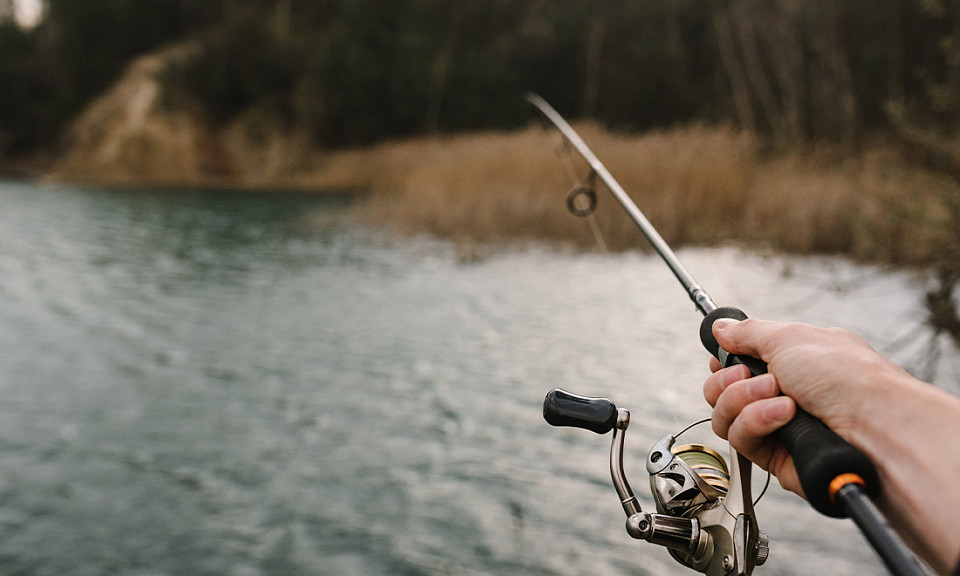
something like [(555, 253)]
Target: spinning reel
[(704, 511)]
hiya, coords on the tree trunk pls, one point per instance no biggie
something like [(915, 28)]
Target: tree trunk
[(438, 80), (952, 59), (838, 62), (731, 65), (895, 56), (784, 43), (591, 85), (757, 76)]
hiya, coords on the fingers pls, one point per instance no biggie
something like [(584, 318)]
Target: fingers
[(715, 364), (747, 412), (717, 382), (738, 396), (749, 434), (760, 419)]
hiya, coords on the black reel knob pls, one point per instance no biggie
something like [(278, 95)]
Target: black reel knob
[(561, 408)]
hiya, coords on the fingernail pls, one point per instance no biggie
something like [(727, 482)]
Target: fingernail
[(732, 374), (763, 386), (723, 323), (778, 410)]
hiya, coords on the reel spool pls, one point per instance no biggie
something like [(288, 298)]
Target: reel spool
[(707, 463)]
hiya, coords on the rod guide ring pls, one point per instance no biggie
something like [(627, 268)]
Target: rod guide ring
[(575, 201)]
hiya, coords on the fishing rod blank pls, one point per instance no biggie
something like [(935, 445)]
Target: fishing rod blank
[(837, 478), (699, 297)]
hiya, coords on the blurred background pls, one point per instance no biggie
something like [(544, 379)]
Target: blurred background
[(352, 71), (283, 283)]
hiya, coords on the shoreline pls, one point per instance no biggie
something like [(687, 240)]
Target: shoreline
[(698, 185)]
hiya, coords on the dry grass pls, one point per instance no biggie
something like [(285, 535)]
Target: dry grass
[(696, 184), (875, 205)]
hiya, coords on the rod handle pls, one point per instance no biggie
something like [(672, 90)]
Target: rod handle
[(561, 408), (823, 459)]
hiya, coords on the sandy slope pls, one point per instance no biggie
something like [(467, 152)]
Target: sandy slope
[(128, 136)]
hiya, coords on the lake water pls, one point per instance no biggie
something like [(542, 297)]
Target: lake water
[(243, 384)]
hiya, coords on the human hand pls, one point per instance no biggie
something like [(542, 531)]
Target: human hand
[(829, 372), (907, 427)]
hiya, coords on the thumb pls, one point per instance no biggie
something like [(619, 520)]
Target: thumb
[(746, 337)]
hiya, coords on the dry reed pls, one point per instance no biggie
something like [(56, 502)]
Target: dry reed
[(697, 184)]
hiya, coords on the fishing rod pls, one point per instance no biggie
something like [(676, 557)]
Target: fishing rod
[(705, 512)]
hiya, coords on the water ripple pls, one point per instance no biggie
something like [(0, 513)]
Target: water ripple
[(252, 384)]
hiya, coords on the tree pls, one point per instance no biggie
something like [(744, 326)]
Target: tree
[(6, 11), (49, 72)]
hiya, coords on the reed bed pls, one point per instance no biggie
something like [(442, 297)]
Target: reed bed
[(698, 185)]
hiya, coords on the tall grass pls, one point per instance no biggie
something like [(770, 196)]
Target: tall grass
[(697, 185)]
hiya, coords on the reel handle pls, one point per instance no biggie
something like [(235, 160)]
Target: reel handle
[(825, 462), (561, 408)]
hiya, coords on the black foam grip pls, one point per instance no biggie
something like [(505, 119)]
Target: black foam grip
[(819, 454), (706, 327), (561, 408)]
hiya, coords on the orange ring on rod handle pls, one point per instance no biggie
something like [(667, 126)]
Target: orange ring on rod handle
[(842, 480)]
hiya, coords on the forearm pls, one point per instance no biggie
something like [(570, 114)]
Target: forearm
[(919, 494)]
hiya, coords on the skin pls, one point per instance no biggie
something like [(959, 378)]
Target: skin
[(908, 428)]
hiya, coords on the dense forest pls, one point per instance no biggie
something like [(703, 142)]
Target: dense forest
[(353, 71)]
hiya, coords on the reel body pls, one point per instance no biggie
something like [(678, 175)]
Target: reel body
[(704, 511)]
